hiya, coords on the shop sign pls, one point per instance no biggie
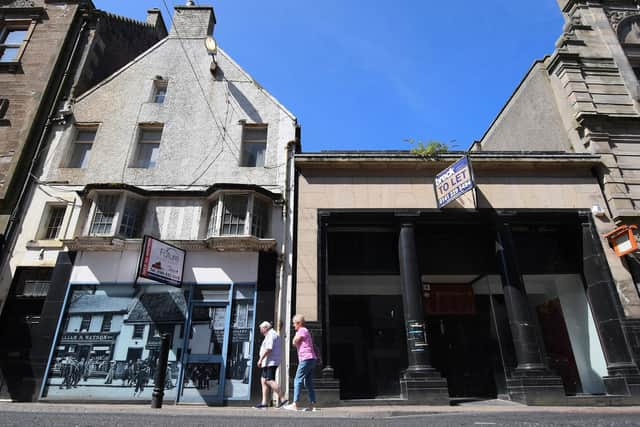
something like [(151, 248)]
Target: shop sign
[(87, 337), (161, 262), (623, 240), (453, 182)]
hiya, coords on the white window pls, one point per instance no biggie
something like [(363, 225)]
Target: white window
[(254, 145), (159, 91), (52, 225), (234, 214), (148, 146), (132, 217), (11, 39), (81, 147), (104, 214)]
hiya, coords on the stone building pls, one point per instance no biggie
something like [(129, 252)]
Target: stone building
[(50, 52), (515, 294), (180, 144)]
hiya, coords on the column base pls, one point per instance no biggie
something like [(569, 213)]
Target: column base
[(536, 388), (627, 386), (327, 387), (424, 386)]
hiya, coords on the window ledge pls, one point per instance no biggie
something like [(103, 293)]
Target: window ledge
[(220, 244), (45, 244)]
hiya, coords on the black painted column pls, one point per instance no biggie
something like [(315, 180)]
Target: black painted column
[(605, 304), (417, 346), (327, 370), (523, 327)]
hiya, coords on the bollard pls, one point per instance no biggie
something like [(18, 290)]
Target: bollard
[(161, 371)]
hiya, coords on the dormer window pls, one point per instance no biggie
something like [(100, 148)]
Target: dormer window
[(239, 214)]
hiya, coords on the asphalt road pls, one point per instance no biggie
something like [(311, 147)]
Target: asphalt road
[(45, 419)]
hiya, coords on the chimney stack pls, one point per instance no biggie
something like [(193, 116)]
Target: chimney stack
[(193, 21), (154, 18)]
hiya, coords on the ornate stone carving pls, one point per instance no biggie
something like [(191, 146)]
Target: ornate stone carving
[(617, 16), (16, 3)]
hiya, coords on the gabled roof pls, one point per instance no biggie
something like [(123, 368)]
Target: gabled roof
[(99, 304)]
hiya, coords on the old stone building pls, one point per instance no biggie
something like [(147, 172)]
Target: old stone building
[(515, 293), (182, 145), (50, 52)]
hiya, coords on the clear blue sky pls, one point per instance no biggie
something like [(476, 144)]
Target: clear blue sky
[(367, 74)]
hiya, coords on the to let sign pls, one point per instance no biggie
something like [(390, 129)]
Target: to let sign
[(453, 182), (161, 262)]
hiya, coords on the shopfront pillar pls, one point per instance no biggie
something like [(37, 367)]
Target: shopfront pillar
[(531, 381), (420, 382), (624, 376)]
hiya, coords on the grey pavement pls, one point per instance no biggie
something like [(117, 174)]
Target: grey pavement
[(43, 414)]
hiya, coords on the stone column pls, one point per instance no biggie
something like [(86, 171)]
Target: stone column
[(420, 382), (607, 311), (525, 334), (531, 382)]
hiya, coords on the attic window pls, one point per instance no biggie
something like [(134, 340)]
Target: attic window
[(159, 91)]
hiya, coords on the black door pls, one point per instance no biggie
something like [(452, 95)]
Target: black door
[(368, 344)]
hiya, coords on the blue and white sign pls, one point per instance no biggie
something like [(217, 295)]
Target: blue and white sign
[(453, 182)]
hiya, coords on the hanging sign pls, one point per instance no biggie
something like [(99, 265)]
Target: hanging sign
[(453, 182), (623, 239), (161, 262)]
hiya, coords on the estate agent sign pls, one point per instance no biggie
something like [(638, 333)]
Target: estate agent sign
[(161, 262), (453, 182)]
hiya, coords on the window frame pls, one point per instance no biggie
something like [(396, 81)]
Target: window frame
[(145, 127), (138, 227), (75, 142), (106, 316), (159, 84), (218, 201), (244, 143), (26, 25), (123, 196), (136, 328), (93, 211), (45, 222), (83, 320)]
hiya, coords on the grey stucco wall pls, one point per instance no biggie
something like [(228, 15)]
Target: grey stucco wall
[(530, 121)]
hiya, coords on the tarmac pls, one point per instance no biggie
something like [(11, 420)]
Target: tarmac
[(353, 412)]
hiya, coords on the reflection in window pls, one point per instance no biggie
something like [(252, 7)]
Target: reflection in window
[(104, 214), (132, 217), (239, 357)]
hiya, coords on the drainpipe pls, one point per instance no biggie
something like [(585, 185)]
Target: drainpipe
[(14, 219)]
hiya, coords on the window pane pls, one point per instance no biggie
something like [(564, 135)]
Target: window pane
[(150, 135), (161, 92), (80, 155), (253, 154), (254, 134), (15, 37), (104, 214), (147, 155), (56, 215), (9, 54), (260, 218), (85, 135), (233, 215), (132, 218), (211, 229)]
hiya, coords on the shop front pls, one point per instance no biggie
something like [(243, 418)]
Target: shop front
[(503, 295), (108, 341)]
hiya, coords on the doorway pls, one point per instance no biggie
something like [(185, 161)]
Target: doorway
[(368, 345)]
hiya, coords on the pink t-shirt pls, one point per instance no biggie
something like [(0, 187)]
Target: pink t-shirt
[(305, 345)]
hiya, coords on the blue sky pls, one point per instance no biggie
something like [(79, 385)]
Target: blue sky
[(368, 74)]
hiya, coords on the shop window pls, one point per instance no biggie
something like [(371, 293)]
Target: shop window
[(229, 213), (159, 91), (81, 148), (132, 217), (240, 349), (104, 214), (11, 41), (138, 331), (52, 225), (106, 323), (85, 323), (148, 146), (254, 145)]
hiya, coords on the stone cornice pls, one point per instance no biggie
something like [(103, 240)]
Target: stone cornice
[(219, 243)]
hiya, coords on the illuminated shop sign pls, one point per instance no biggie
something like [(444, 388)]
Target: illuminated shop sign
[(453, 182), (161, 262)]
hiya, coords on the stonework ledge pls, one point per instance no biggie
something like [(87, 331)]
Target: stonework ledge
[(221, 244)]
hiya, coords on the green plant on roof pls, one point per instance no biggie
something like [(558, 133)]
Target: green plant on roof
[(429, 149)]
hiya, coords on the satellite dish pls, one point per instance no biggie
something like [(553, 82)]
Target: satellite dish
[(211, 45)]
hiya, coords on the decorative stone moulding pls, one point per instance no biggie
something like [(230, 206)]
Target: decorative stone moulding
[(221, 244), (618, 15)]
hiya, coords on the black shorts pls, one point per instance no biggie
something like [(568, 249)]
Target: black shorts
[(269, 373)]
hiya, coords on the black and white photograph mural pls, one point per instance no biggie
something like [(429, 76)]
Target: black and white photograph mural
[(109, 341)]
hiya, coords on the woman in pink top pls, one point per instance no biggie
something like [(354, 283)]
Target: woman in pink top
[(306, 364)]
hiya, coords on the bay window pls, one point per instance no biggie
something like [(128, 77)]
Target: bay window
[(119, 214), (238, 214)]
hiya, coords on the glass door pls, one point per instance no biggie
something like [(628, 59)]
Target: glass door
[(203, 379)]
